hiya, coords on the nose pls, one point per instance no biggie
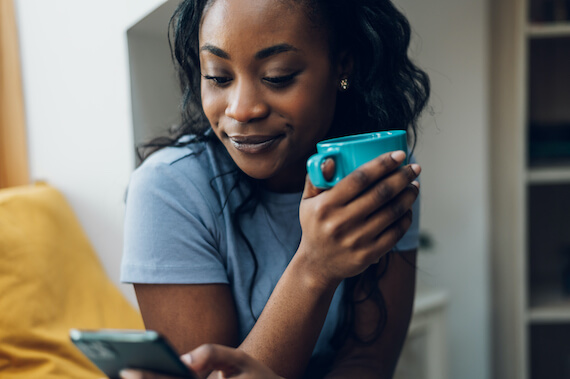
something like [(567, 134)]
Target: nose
[(246, 103)]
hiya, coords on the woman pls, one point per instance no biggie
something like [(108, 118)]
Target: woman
[(226, 242)]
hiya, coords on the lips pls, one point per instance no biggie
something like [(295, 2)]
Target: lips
[(253, 144)]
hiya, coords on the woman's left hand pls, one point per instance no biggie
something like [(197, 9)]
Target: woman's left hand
[(217, 360)]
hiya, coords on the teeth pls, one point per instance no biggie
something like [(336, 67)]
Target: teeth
[(250, 143)]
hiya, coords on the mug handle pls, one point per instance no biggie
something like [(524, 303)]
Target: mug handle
[(314, 169)]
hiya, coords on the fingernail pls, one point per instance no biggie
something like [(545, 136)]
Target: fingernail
[(186, 358), (416, 168), (416, 183), (398, 156), (129, 374)]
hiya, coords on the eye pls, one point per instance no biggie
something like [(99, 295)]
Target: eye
[(281, 81), (218, 80)]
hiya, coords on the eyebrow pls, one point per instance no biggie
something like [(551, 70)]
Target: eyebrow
[(262, 54), (215, 50), (273, 50)]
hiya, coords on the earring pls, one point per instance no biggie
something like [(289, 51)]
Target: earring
[(344, 84)]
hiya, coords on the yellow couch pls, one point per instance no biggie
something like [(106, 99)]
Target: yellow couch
[(50, 281)]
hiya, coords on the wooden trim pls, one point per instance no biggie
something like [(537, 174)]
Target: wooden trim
[(508, 192), (14, 169)]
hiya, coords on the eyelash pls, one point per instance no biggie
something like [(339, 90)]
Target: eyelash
[(276, 81)]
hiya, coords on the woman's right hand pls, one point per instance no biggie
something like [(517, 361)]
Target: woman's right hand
[(230, 362), (352, 225), (215, 361)]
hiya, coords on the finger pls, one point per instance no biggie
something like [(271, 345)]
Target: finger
[(310, 190), (137, 374), (385, 217), (328, 168), (384, 191), (394, 233), (369, 173), (211, 357)]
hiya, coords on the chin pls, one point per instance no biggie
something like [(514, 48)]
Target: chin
[(258, 174)]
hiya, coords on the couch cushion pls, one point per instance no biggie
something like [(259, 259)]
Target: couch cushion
[(50, 281)]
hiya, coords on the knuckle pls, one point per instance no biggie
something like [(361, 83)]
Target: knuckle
[(355, 242), (320, 209), (398, 209), (361, 178), (332, 228), (383, 193)]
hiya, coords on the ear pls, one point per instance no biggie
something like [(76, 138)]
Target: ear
[(345, 64)]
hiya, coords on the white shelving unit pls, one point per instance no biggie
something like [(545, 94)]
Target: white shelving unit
[(530, 131), (548, 175), (548, 31)]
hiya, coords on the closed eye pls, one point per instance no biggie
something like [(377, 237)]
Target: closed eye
[(218, 80), (281, 81)]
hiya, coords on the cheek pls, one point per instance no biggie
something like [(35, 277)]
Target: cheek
[(212, 104), (316, 107)]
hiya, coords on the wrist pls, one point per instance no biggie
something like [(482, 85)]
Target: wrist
[(312, 276)]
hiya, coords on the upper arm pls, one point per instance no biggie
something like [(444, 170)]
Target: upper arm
[(172, 236), (189, 314), (380, 358)]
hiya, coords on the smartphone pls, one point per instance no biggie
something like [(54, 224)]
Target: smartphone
[(113, 350)]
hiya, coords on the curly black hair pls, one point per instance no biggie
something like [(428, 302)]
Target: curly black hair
[(387, 92)]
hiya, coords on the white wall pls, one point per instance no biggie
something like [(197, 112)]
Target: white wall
[(77, 92), (78, 111), (450, 43)]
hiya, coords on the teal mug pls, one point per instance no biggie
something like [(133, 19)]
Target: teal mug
[(350, 152)]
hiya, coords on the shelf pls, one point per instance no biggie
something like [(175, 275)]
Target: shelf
[(548, 305), (548, 30), (549, 175)]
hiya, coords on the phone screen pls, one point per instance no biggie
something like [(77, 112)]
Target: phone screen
[(114, 350)]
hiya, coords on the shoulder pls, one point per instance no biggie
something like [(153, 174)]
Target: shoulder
[(171, 193), (185, 169), (194, 178)]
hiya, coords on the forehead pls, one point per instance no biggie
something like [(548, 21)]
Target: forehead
[(258, 24)]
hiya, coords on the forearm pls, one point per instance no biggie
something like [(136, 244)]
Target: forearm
[(286, 332), (379, 359)]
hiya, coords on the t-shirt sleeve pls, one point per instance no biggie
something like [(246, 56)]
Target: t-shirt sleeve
[(170, 233)]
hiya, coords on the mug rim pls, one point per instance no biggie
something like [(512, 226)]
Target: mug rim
[(370, 136)]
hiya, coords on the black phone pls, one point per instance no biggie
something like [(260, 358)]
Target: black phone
[(113, 350)]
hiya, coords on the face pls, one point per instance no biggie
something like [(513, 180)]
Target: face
[(268, 86)]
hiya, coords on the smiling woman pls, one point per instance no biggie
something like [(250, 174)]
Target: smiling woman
[(270, 94), (227, 242)]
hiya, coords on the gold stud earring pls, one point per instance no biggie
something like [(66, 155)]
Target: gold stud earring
[(344, 84)]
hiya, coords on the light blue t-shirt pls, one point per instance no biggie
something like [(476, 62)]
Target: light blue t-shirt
[(179, 230)]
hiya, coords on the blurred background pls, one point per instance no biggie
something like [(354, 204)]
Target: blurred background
[(97, 79)]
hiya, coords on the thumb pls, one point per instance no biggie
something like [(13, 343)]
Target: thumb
[(328, 169), (209, 357)]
